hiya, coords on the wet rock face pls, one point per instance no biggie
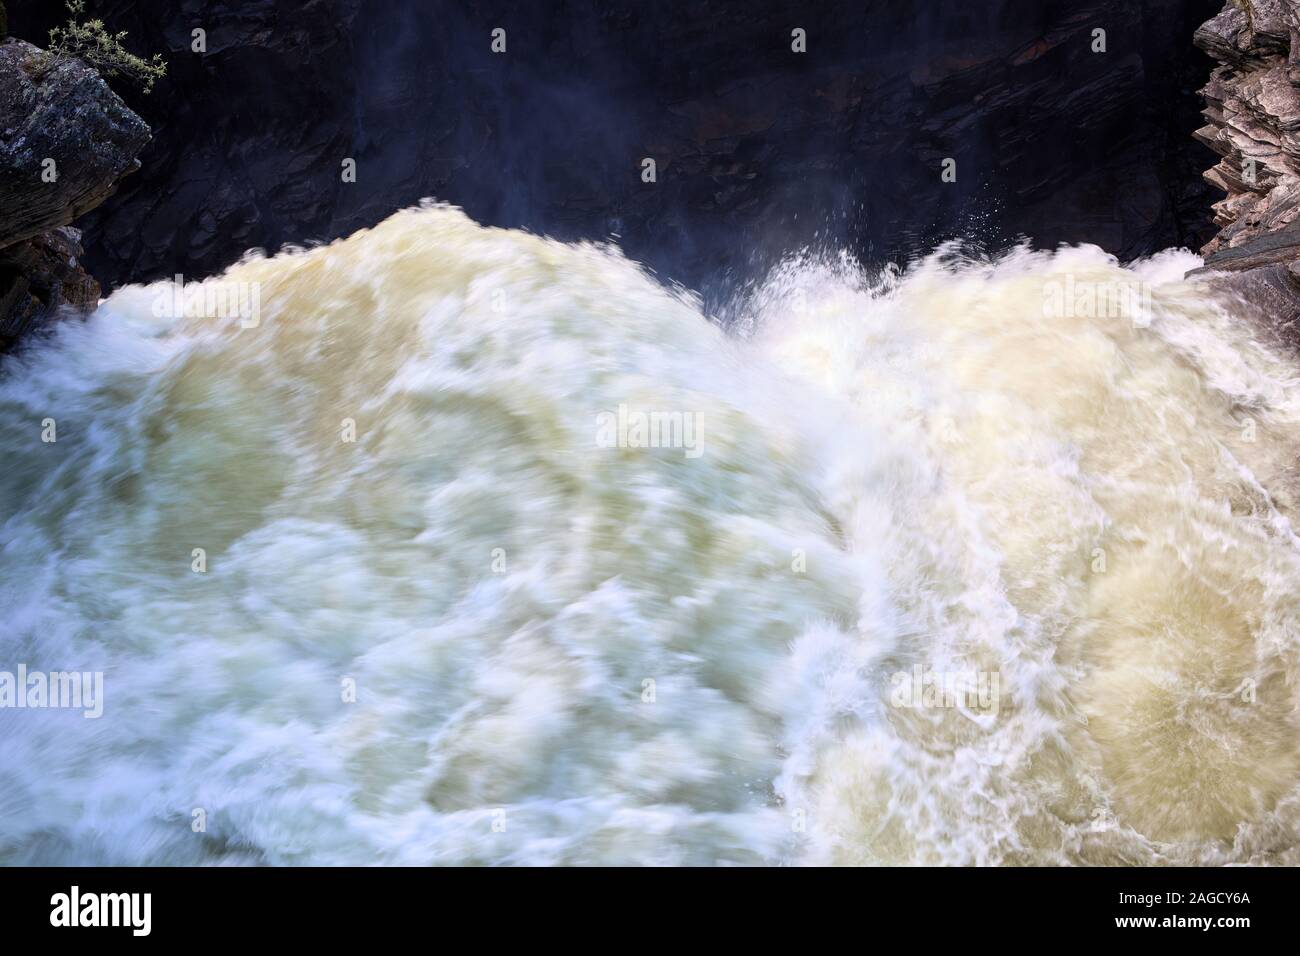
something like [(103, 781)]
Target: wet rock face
[(65, 141), (758, 148), (38, 278)]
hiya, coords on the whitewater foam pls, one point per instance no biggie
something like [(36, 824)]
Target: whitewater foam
[(478, 633)]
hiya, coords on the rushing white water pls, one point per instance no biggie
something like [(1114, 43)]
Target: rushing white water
[(565, 652)]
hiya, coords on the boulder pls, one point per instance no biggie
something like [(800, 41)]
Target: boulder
[(66, 140)]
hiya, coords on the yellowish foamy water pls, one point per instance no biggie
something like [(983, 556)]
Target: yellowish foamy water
[(500, 626)]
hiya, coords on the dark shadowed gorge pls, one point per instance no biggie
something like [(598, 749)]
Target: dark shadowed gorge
[(1053, 141)]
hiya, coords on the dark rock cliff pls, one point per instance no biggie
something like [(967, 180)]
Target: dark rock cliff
[(65, 141), (759, 149)]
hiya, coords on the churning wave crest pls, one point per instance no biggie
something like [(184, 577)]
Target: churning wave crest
[(953, 566)]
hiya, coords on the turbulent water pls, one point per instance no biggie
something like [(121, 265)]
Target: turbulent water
[(495, 627)]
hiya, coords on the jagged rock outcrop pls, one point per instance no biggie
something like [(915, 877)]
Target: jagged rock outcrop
[(1253, 108), (65, 142), (1252, 105)]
